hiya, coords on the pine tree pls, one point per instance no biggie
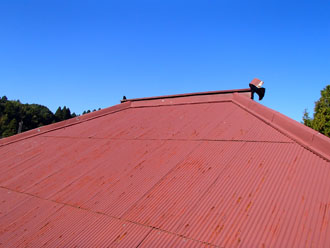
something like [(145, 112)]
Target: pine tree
[(321, 120), (59, 114), (306, 119), (12, 112), (66, 113)]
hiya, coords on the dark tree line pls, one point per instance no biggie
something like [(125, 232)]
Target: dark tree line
[(17, 117)]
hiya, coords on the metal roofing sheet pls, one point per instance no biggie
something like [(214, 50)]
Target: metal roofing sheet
[(226, 207), (190, 172), (217, 121), (161, 239), (10, 200)]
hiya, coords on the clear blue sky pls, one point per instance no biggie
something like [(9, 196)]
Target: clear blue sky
[(88, 54)]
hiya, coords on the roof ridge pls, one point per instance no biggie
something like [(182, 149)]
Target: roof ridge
[(303, 135), (189, 94)]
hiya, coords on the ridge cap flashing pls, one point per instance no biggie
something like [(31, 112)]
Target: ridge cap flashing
[(189, 94), (303, 135)]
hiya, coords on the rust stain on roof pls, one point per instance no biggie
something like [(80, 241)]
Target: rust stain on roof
[(210, 169)]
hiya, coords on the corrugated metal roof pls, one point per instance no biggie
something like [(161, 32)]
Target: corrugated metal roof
[(212, 169)]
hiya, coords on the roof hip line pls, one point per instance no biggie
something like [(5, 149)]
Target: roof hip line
[(63, 124), (304, 136)]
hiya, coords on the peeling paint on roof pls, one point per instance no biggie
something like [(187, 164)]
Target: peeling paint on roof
[(212, 169)]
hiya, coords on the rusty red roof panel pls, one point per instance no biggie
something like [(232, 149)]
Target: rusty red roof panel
[(212, 169), (158, 238)]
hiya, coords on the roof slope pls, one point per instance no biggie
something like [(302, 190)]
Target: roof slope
[(204, 169)]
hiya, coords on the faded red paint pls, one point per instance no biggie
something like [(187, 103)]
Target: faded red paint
[(192, 170)]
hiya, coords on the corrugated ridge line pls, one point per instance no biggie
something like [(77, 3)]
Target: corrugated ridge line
[(103, 214), (19, 164), (9, 219), (18, 205), (264, 118), (92, 225), (63, 124), (62, 225), (267, 203), (45, 213), (258, 130), (148, 234), (117, 181), (231, 155), (190, 123), (44, 168), (176, 186), (218, 92), (81, 220), (162, 239), (10, 201), (226, 112), (117, 233), (227, 118), (160, 180), (17, 175), (132, 240), (179, 189), (227, 185), (174, 239), (179, 104), (197, 205), (48, 239), (99, 164), (13, 173), (90, 149), (175, 139), (171, 121), (18, 152)]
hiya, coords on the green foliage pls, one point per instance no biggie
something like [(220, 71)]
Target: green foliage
[(86, 112), (63, 114), (31, 115), (321, 120), (306, 119)]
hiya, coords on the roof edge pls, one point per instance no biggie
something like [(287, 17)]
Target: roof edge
[(62, 124), (303, 135), (189, 94)]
